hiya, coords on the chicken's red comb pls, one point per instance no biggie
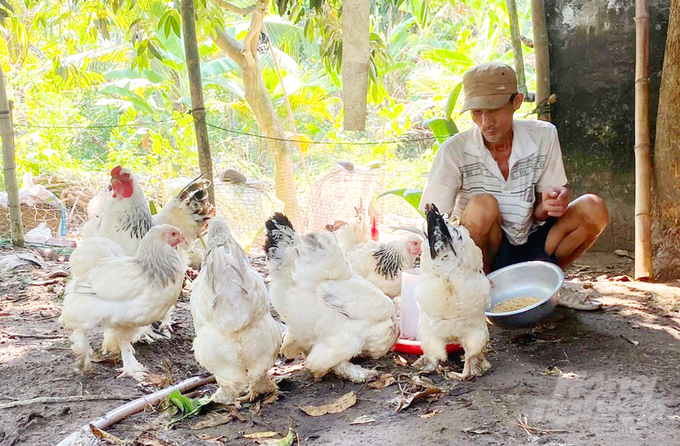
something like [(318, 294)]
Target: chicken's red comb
[(375, 235), (115, 171)]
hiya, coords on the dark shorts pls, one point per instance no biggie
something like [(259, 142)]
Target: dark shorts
[(534, 249)]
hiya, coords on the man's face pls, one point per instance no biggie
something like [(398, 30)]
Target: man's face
[(496, 124)]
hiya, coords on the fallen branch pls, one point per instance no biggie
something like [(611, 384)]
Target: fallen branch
[(37, 336), (120, 413), (64, 399)]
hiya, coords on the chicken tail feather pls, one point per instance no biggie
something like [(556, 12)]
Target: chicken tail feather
[(280, 234), (195, 196), (438, 234)]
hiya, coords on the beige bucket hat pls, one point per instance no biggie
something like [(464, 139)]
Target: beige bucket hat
[(488, 86)]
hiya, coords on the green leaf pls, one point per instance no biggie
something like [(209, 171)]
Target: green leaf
[(137, 101), (287, 440), (412, 196), (453, 98), (186, 406), (6, 5), (154, 51), (218, 67), (175, 21), (442, 128), (449, 58)]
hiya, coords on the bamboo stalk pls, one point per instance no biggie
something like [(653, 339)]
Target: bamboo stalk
[(517, 47), (196, 88), (643, 147), (541, 53), (9, 165)]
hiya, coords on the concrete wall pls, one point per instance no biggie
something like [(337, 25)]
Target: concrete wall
[(592, 69)]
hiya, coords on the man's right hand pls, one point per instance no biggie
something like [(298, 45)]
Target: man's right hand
[(552, 202), (555, 201)]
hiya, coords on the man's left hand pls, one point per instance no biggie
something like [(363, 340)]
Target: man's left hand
[(555, 201)]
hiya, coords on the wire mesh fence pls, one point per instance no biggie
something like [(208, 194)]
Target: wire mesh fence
[(244, 203)]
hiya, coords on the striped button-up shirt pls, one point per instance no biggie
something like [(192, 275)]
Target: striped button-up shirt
[(464, 167)]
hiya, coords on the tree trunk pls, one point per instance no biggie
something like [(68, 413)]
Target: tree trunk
[(9, 165), (257, 96), (667, 155), (196, 87)]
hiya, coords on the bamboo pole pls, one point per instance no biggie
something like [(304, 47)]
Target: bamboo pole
[(517, 47), (643, 147), (196, 88), (541, 53), (9, 165)]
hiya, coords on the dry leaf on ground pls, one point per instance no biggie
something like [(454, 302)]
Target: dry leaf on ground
[(476, 431), (430, 414), (147, 440), (364, 419), (405, 400), (217, 439), (214, 419), (385, 380), (286, 369), (556, 371), (339, 405), (102, 435), (266, 434)]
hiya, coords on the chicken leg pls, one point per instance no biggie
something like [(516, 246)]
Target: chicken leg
[(82, 349), (263, 386), (475, 362), (131, 367)]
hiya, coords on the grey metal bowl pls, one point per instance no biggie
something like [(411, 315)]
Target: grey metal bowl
[(540, 279)]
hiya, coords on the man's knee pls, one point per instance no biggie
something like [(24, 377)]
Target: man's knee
[(483, 211), (593, 212)]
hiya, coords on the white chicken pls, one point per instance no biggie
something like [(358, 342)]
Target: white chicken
[(382, 263), (237, 339), (121, 294), (355, 232), (90, 252), (453, 295), (332, 314), (124, 217)]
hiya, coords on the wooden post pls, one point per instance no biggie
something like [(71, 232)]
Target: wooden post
[(196, 88), (356, 54), (517, 47), (541, 54), (9, 165), (643, 147)]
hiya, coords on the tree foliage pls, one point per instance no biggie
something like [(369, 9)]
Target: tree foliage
[(96, 83)]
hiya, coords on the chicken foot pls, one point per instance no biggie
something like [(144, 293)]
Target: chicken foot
[(263, 386), (475, 365), (354, 372), (131, 367)]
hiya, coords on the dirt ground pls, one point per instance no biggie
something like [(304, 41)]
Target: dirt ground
[(608, 377)]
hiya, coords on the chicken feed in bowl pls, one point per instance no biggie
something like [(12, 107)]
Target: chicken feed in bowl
[(523, 293)]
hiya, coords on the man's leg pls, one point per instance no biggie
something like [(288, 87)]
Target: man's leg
[(577, 229), (482, 218)]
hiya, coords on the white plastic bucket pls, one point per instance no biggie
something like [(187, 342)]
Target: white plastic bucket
[(410, 310)]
